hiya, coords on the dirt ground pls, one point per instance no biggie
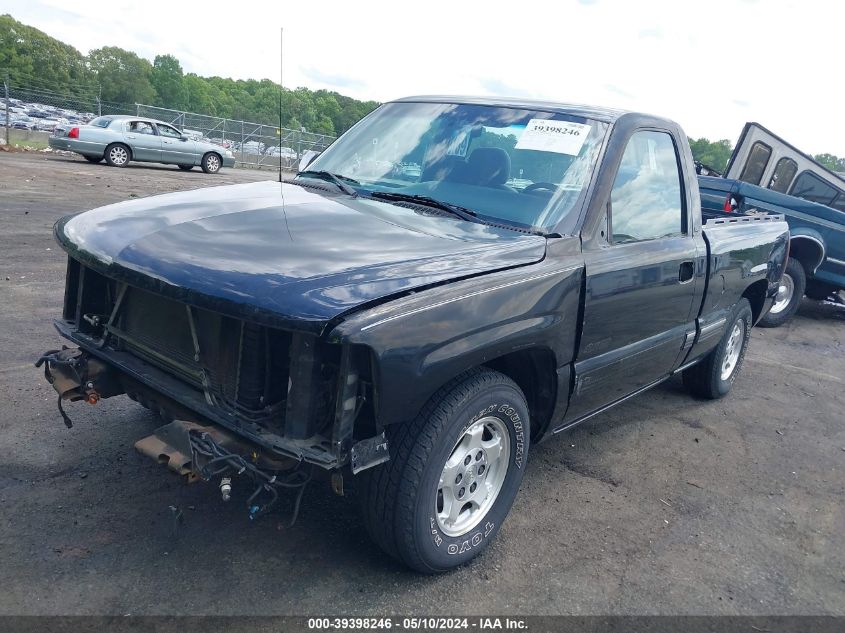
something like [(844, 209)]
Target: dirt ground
[(664, 505)]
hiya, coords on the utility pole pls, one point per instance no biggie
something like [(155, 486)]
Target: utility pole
[(100, 100), (8, 105)]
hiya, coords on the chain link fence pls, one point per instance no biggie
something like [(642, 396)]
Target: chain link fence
[(33, 99), (253, 144)]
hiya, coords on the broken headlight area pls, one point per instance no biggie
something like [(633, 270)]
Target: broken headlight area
[(289, 394)]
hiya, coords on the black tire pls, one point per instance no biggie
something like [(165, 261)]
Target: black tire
[(118, 155), (186, 167), (401, 499), (93, 159), (794, 275), (211, 163), (818, 290), (709, 377)]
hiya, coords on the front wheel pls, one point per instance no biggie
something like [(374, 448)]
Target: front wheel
[(790, 293), (714, 376), (211, 163), (453, 474), (117, 155)]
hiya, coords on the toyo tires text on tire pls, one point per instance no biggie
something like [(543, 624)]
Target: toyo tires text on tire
[(453, 473), (714, 376)]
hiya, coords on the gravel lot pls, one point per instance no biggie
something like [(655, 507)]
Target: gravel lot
[(664, 505)]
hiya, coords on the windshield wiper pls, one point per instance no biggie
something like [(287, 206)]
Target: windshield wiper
[(428, 201), (336, 179)]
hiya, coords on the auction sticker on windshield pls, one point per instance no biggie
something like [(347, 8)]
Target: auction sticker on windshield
[(560, 137)]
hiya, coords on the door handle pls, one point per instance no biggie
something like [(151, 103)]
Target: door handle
[(686, 272)]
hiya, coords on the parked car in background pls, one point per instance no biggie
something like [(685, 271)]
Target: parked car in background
[(120, 139), (48, 125), (287, 155), (768, 174), (23, 123)]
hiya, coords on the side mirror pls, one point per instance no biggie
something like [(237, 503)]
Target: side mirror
[(184, 137), (306, 159)]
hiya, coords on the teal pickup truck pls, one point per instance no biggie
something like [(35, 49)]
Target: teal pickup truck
[(816, 265), (768, 175)]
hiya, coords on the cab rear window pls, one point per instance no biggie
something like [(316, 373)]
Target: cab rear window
[(101, 121)]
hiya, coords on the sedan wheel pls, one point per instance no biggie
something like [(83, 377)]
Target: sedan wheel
[(117, 155), (211, 163)]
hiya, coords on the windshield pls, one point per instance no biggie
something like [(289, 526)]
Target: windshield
[(522, 167)]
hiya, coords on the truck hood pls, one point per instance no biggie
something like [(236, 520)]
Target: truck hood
[(297, 260)]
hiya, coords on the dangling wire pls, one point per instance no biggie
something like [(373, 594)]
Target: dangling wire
[(216, 460)]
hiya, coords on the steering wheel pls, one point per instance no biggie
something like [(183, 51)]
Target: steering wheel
[(540, 186)]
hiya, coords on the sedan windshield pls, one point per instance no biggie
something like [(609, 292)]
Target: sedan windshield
[(522, 167)]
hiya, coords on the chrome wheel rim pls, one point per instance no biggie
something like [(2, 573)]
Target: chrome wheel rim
[(785, 291), (213, 163), (118, 155), (473, 476), (733, 350)]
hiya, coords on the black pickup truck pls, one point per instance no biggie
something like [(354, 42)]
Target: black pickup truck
[(451, 281)]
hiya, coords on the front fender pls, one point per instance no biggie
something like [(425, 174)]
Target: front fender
[(421, 341)]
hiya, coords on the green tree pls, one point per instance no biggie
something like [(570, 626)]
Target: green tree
[(34, 60), (832, 162), (198, 94), (123, 76), (37, 61), (714, 154), (167, 80)]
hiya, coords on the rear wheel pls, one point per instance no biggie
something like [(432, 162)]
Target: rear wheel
[(714, 376), (790, 293), (186, 167), (118, 155), (211, 163), (93, 159), (453, 474)]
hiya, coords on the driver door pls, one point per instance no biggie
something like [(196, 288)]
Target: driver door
[(640, 287)]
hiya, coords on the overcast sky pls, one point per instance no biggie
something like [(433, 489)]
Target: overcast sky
[(710, 65)]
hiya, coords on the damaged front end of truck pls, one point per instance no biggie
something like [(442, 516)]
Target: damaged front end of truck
[(240, 398), (223, 311)]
